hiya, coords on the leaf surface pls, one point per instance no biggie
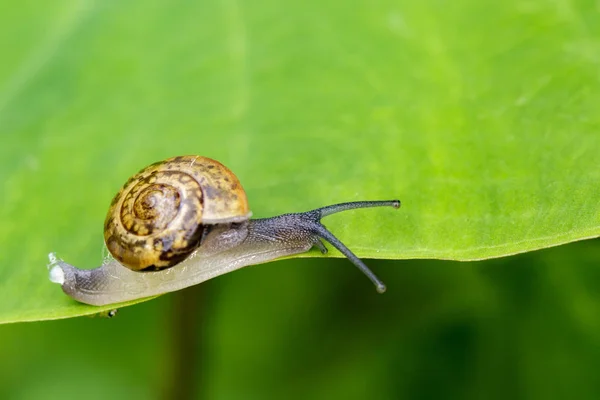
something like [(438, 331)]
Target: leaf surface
[(482, 117)]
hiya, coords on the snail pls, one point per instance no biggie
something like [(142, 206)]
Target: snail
[(185, 220)]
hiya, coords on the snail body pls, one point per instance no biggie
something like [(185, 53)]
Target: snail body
[(185, 220)]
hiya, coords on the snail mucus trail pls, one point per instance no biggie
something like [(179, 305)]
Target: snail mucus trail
[(185, 220)]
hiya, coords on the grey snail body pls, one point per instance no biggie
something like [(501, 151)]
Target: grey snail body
[(185, 220)]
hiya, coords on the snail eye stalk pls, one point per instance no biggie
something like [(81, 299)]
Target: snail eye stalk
[(335, 242), (313, 223)]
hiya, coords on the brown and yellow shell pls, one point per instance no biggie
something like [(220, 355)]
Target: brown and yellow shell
[(159, 216)]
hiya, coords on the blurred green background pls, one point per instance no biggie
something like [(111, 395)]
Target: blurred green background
[(481, 116), (521, 327)]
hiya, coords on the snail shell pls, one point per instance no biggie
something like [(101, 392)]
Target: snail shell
[(161, 214)]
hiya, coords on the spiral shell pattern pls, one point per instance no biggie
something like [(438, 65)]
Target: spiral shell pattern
[(159, 216)]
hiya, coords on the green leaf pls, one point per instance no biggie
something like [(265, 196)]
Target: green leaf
[(480, 116)]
